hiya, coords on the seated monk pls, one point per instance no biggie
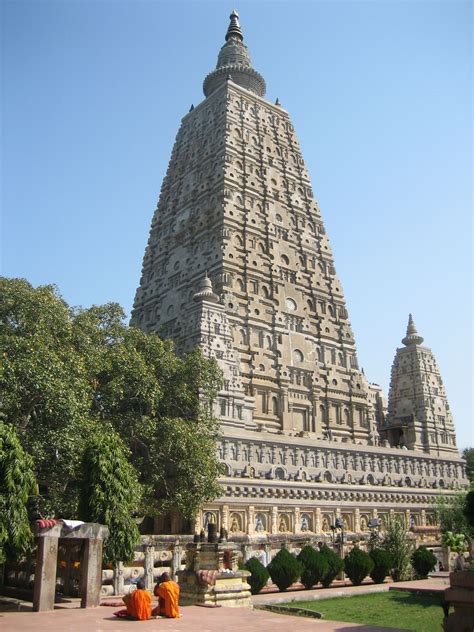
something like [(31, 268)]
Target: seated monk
[(167, 592), (138, 603)]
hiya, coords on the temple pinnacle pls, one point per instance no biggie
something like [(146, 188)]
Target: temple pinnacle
[(234, 27), (412, 337)]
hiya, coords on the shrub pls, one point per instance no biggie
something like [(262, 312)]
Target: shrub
[(395, 542), (284, 569), (357, 565), (315, 566), (259, 575), (383, 563), (423, 561), (335, 565)]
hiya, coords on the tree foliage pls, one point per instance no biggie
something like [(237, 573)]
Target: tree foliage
[(315, 566), (284, 569), (399, 547), (110, 493), (68, 373), (258, 575), (357, 565), (468, 454), (451, 515), (423, 561), (17, 485), (383, 564), (335, 565)]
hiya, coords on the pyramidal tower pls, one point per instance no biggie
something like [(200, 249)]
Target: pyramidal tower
[(237, 214), (238, 263), (418, 411)]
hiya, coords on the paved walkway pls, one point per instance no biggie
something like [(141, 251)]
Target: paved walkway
[(68, 617)]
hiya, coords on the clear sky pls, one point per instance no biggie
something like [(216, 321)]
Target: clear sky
[(380, 97)]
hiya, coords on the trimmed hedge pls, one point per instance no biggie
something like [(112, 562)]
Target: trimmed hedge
[(284, 569), (423, 561), (259, 575), (335, 565), (315, 566), (383, 563), (357, 565)]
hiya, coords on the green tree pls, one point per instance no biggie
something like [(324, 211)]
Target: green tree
[(451, 516), (399, 547), (334, 564), (423, 561), (315, 566), (357, 565), (284, 569), (110, 493), (67, 372), (17, 485), (468, 454), (383, 564), (258, 575)]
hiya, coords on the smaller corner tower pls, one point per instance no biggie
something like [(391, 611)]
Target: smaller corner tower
[(418, 415)]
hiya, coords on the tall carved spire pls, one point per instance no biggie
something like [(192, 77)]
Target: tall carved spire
[(412, 337), (234, 60)]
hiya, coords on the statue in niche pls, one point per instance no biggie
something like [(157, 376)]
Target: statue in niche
[(345, 522), (209, 518), (283, 526), (259, 523), (364, 523), (304, 523), (235, 523), (325, 526)]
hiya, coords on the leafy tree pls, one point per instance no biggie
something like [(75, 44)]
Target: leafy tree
[(383, 564), (259, 575), (315, 566), (357, 565), (468, 454), (451, 516), (17, 485), (284, 569), (110, 493), (423, 561), (469, 509), (395, 542), (67, 372), (335, 565)]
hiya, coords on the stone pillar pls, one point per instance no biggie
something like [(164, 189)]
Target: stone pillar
[(91, 581), (177, 554), (149, 566), (407, 518), (45, 573), (317, 520), (225, 516), (247, 552), (423, 518), (250, 520), (357, 520), (296, 518), (268, 553), (274, 526), (118, 578)]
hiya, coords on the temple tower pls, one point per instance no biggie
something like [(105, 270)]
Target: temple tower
[(237, 204), (418, 411)]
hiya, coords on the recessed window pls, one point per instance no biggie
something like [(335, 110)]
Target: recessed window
[(285, 260), (290, 304), (298, 355)]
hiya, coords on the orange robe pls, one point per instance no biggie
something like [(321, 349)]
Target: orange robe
[(138, 604), (168, 598)]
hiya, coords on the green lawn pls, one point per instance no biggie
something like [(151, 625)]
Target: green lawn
[(421, 613)]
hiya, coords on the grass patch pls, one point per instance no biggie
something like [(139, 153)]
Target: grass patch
[(409, 611)]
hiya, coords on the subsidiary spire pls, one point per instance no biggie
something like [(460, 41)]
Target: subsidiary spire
[(412, 337), (234, 60)]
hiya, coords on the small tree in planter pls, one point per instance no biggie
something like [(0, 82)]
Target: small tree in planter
[(259, 575), (315, 566), (423, 561), (335, 565), (395, 542), (357, 565), (284, 569), (383, 563)]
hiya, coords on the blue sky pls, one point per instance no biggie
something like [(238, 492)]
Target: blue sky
[(380, 97)]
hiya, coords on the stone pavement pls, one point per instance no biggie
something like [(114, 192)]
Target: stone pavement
[(68, 617)]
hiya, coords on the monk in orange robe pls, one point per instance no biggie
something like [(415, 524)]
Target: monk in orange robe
[(167, 592), (138, 603)]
